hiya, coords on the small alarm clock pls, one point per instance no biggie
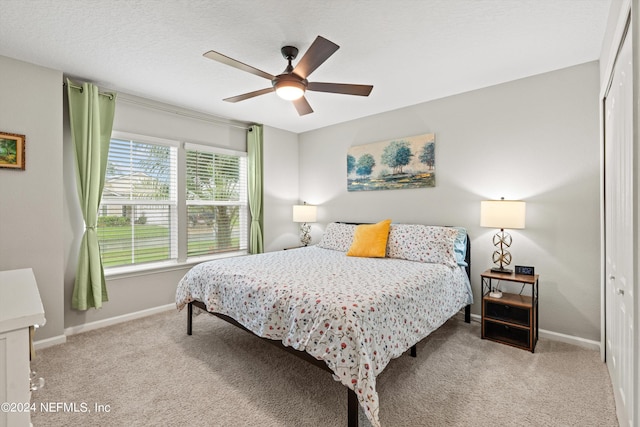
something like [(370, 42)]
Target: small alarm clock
[(523, 269)]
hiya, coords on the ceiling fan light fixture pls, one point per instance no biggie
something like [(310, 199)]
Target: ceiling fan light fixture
[(290, 90), (292, 83)]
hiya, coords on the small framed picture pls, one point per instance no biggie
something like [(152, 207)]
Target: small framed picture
[(12, 150)]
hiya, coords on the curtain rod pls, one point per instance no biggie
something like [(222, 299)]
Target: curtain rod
[(108, 95), (210, 119)]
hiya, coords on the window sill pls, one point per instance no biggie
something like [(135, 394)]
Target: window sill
[(115, 273)]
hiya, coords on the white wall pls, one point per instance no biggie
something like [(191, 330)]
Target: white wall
[(280, 162), (534, 139), (31, 200)]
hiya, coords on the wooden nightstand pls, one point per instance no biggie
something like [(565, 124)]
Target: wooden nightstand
[(512, 319)]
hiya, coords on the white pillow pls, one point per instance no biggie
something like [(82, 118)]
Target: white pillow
[(338, 237), (422, 243)]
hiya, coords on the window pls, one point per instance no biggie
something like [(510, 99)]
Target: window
[(137, 216), (144, 198), (216, 201)]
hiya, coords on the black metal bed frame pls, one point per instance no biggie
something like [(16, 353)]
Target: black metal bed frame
[(352, 398)]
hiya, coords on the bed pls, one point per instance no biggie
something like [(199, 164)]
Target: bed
[(349, 314)]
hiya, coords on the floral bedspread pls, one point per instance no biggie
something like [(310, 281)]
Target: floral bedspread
[(355, 314)]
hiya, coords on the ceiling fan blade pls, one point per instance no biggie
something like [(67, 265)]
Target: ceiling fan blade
[(344, 88), (319, 51), (237, 64), (249, 95), (302, 105)]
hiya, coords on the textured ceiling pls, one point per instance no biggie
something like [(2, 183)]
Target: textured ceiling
[(412, 51)]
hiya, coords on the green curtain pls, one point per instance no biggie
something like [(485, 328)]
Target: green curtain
[(91, 118), (254, 150)]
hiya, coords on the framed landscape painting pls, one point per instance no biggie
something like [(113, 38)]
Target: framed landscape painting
[(12, 151), (408, 162)]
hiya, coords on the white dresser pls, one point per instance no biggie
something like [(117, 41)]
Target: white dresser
[(20, 308)]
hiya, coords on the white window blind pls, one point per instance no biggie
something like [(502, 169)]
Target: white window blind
[(137, 219), (216, 199)]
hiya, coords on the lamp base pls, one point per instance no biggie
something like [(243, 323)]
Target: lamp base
[(305, 237), (501, 270)]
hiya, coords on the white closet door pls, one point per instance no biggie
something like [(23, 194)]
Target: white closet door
[(619, 232)]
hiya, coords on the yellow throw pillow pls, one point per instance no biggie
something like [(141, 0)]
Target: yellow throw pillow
[(370, 240)]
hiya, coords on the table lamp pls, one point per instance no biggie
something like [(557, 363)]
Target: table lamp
[(502, 214), (304, 214)]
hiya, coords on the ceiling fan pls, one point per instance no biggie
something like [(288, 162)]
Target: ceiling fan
[(293, 83)]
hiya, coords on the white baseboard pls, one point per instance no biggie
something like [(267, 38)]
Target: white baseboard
[(556, 336), (570, 339), (40, 344), (49, 342), (118, 319)]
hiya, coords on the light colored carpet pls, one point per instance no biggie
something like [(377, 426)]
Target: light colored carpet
[(148, 372)]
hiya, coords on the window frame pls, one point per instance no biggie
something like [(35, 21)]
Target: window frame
[(243, 202), (179, 237)]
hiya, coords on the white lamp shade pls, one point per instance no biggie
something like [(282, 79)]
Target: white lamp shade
[(304, 213), (290, 92), (502, 213)]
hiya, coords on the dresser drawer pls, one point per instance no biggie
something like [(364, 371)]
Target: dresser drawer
[(506, 333), (507, 313)]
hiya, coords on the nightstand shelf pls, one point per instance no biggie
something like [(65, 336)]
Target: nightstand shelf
[(512, 319)]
